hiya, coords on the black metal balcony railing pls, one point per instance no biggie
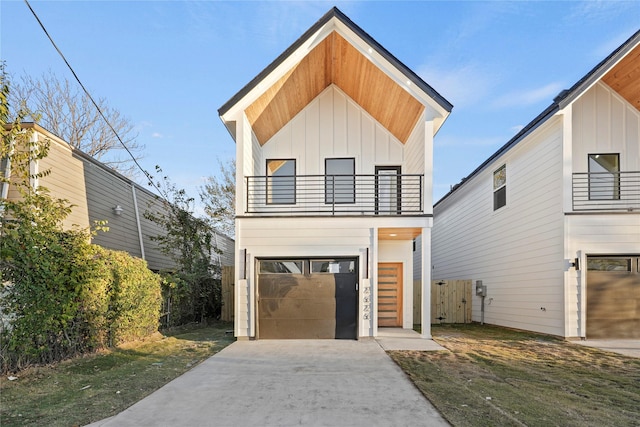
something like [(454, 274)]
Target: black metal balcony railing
[(606, 191), (334, 195)]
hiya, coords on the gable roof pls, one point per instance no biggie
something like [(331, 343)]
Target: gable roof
[(620, 70), (336, 51)]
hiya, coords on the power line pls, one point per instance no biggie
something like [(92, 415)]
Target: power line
[(95, 104)]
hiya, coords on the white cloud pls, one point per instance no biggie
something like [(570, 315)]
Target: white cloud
[(601, 10), (463, 86), (606, 47), (517, 128), (528, 97), (157, 135)]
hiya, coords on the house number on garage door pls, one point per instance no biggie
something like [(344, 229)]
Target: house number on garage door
[(366, 302)]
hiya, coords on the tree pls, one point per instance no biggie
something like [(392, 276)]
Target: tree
[(38, 260), (193, 291), (219, 198), (68, 112)]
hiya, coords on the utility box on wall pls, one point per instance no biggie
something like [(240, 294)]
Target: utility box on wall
[(481, 290)]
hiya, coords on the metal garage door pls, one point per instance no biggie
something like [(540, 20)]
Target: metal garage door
[(613, 297), (307, 298)]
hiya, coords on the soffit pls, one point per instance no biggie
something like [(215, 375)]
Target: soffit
[(624, 77), (335, 61), (398, 233)]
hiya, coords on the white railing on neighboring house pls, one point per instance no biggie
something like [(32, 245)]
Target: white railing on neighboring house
[(334, 195), (606, 191)]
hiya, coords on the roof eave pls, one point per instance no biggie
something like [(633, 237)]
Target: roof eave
[(336, 13), (559, 103)]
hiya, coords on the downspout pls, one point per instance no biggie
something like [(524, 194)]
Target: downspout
[(135, 206)]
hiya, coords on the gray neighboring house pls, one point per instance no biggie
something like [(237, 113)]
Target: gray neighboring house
[(99, 193)]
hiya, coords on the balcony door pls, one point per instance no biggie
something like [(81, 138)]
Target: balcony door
[(388, 190)]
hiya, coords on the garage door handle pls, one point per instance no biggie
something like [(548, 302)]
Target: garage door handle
[(356, 286)]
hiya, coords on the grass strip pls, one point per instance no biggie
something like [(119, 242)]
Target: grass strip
[(87, 389), (496, 376)]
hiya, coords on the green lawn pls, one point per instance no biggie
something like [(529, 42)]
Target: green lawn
[(494, 376), (90, 388)]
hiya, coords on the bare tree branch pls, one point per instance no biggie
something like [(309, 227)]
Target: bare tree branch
[(67, 112), (219, 198)]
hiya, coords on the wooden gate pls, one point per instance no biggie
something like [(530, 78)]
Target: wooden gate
[(450, 301), (227, 294)]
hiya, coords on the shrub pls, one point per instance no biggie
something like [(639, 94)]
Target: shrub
[(134, 298), (71, 298)]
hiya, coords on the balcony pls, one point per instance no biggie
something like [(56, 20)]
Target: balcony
[(606, 191), (335, 195)]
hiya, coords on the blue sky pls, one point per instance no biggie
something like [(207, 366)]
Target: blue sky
[(169, 65)]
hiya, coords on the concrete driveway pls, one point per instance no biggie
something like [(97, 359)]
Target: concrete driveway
[(287, 383)]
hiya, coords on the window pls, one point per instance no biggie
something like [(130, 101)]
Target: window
[(609, 264), (500, 187), (604, 176), (281, 181), (281, 267), (3, 166), (333, 266), (340, 181)]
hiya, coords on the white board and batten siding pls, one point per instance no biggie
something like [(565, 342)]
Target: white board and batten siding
[(334, 126), (603, 122), (517, 250), (330, 126)]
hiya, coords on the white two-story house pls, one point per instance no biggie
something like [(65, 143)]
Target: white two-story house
[(549, 226), (334, 182)]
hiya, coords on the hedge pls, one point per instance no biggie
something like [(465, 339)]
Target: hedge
[(71, 298)]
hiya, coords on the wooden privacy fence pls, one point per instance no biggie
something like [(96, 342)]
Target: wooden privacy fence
[(227, 294), (450, 301)]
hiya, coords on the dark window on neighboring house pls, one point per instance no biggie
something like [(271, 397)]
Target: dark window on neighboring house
[(340, 181), (281, 181), (3, 174), (604, 176), (500, 187)]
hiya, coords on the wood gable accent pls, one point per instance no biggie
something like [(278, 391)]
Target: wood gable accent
[(335, 61), (624, 77)]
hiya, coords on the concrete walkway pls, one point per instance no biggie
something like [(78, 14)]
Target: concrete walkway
[(627, 347), (287, 383), (405, 339)]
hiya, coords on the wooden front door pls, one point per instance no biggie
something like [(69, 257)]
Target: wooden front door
[(390, 294)]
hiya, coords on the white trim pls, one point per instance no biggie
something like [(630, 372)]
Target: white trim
[(426, 283), (135, 207), (567, 158), (374, 281)]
